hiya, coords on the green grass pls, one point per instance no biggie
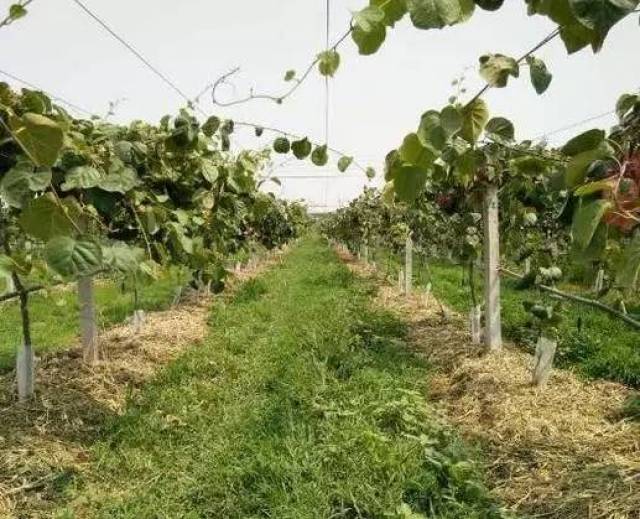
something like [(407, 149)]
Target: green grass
[(303, 403), (590, 341), (54, 317)]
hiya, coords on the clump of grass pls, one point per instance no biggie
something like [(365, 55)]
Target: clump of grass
[(303, 404)]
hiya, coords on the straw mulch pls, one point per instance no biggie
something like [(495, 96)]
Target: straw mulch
[(46, 443), (558, 452)]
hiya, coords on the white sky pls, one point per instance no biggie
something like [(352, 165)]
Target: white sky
[(375, 100)]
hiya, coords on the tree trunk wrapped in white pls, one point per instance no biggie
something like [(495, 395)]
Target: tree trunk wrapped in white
[(88, 324), (408, 265)]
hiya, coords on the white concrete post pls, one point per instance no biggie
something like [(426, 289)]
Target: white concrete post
[(543, 360), (493, 325)]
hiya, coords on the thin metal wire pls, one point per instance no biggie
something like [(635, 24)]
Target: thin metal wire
[(57, 98), (133, 50)]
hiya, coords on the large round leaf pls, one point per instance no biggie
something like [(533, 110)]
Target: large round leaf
[(436, 14), (43, 219), (39, 137), (475, 117), (73, 257), (301, 149)]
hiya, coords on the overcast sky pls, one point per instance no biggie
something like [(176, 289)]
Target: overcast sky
[(374, 100)]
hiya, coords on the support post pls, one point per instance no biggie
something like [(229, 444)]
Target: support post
[(527, 266), (475, 324), (88, 325), (493, 325), (543, 360), (408, 265), (400, 280), (599, 283)]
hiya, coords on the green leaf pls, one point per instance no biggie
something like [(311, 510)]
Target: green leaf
[(301, 149), (579, 164), (211, 125), (501, 127), (328, 62), (496, 69), (44, 219), (475, 117), (281, 145), (370, 173), (259, 130), (122, 258), (606, 184), (540, 75), (320, 157), (368, 19), (601, 15), (627, 275), (431, 132), (586, 221), (409, 181), (394, 10), (625, 104), (289, 75), (17, 11), (120, 179), (466, 168), (344, 163), (586, 141), (451, 119), (39, 137), (489, 5), (369, 42), (413, 152), (73, 257), (209, 171), (14, 187), (436, 14), (81, 177)]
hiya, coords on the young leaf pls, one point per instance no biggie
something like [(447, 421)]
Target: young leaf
[(211, 125), (289, 75), (344, 163), (17, 11), (328, 62), (496, 69), (281, 145), (540, 75), (301, 149), (369, 42), (320, 157)]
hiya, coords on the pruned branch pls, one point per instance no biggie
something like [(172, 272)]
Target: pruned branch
[(578, 299), (251, 96)]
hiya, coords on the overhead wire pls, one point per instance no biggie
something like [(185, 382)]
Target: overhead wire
[(55, 97), (136, 53)]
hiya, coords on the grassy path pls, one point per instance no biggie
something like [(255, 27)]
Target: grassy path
[(302, 403)]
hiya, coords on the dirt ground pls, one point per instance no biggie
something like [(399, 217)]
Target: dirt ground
[(47, 441), (559, 452)]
